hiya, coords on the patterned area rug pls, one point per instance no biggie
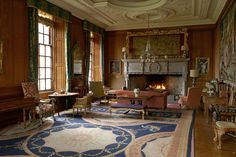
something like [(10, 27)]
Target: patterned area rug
[(100, 134)]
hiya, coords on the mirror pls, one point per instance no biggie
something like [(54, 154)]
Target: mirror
[(78, 55)]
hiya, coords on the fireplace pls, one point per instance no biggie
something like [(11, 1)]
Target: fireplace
[(172, 83), (171, 72)]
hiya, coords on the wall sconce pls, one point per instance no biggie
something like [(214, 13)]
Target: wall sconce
[(185, 51), (124, 52), (194, 74)]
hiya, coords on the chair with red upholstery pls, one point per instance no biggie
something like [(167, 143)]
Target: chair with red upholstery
[(193, 98), (45, 107)]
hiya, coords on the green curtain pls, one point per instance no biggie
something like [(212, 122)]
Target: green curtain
[(92, 27), (50, 8), (33, 44), (87, 52)]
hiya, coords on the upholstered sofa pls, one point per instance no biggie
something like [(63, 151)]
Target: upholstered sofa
[(157, 100)]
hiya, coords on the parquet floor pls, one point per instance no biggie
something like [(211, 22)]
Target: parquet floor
[(204, 144)]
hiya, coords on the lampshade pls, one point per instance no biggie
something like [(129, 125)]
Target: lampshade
[(123, 49), (183, 48), (194, 73)]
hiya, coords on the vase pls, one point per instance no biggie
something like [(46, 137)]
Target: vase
[(135, 94)]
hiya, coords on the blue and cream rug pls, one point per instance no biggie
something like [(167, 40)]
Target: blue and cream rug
[(97, 135)]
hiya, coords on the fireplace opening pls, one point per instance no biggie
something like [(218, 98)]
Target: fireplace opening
[(172, 83)]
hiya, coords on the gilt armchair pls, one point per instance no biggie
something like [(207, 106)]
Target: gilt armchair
[(45, 107), (96, 87), (83, 103)]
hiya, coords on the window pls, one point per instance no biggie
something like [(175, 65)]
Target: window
[(45, 69), (91, 61), (95, 57)]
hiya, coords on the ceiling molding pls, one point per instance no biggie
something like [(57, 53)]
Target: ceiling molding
[(132, 14)]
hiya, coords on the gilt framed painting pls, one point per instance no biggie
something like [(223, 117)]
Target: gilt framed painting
[(202, 64), (115, 67)]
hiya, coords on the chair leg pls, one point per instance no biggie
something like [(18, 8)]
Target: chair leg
[(216, 135), (220, 133)]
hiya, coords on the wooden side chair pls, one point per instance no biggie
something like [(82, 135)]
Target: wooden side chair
[(225, 118), (45, 107), (83, 103)]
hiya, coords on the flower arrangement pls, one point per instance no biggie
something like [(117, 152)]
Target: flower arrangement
[(210, 87), (136, 92)]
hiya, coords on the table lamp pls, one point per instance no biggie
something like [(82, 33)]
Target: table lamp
[(194, 74)]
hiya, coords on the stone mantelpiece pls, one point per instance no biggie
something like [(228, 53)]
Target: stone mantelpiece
[(162, 66)]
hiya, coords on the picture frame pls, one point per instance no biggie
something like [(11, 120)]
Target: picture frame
[(115, 67), (202, 64), (77, 66)]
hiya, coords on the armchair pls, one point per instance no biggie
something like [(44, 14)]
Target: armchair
[(45, 108), (97, 89), (83, 103), (193, 98)]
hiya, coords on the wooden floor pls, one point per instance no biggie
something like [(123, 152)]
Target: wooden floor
[(204, 144)]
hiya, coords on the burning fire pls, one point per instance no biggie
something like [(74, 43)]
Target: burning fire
[(157, 86)]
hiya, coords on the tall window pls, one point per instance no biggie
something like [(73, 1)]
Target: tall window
[(45, 34), (91, 64), (95, 58)]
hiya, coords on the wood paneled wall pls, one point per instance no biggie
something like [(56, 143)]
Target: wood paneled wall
[(14, 34)]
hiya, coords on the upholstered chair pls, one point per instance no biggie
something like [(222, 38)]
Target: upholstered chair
[(83, 103), (96, 87), (45, 107), (192, 99)]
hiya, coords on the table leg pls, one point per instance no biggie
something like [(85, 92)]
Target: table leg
[(24, 118)]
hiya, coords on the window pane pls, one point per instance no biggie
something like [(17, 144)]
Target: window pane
[(48, 51), (41, 50), (45, 57), (48, 84), (42, 62), (40, 27), (48, 72), (42, 73), (42, 84), (46, 29), (46, 39), (48, 62), (40, 38)]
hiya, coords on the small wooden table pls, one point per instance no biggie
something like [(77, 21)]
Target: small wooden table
[(63, 101)]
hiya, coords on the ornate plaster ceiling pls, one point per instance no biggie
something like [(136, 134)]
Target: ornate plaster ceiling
[(133, 14)]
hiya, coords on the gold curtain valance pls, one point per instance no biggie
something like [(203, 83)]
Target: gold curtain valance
[(50, 8)]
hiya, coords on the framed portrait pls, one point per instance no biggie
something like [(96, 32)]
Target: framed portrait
[(115, 67), (202, 64)]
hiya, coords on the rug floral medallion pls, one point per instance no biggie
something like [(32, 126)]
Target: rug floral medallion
[(97, 135)]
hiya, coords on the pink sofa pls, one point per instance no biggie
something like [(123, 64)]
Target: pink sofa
[(158, 99)]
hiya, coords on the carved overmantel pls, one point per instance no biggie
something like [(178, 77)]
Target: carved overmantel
[(161, 66)]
